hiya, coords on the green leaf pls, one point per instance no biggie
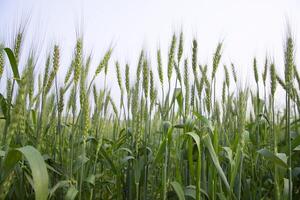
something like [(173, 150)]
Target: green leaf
[(91, 179), (80, 161), (178, 189), (297, 148), (221, 196), (295, 143), (138, 167), (13, 63), (190, 191), (4, 105), (296, 171), (207, 123), (126, 158), (36, 164), (196, 139), (109, 160), (276, 159), (228, 154), (71, 193), (285, 188), (60, 184), (179, 98), (2, 153), (214, 157), (126, 150), (160, 152), (236, 165), (34, 118)]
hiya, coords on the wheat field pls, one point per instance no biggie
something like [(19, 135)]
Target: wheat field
[(173, 138)]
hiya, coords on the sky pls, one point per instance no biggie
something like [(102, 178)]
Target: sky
[(248, 29)]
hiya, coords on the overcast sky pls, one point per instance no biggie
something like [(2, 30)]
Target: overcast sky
[(248, 28)]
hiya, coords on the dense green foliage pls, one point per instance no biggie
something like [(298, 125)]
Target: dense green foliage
[(163, 141)]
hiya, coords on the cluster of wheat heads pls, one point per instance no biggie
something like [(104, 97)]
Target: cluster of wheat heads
[(170, 139)]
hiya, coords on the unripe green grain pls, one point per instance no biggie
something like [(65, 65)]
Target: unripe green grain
[(187, 86), (180, 48), (264, 75), (227, 78), (87, 65), (69, 72), (71, 100), (192, 95), (18, 112), (17, 45), (224, 92), (54, 70), (84, 104), (171, 57), (233, 73), (152, 89), (273, 79), (281, 82), (30, 78), (208, 97), (178, 73), (216, 60), (194, 55), (289, 77), (46, 73), (127, 80), (204, 76), (9, 90), (135, 93), (296, 73), (289, 62), (104, 62), (203, 79), (61, 100), (114, 107), (1, 63), (255, 70), (145, 78), (119, 79), (139, 67), (159, 67), (95, 94), (56, 56), (78, 60)]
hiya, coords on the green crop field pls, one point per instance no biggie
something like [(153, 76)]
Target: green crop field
[(168, 136)]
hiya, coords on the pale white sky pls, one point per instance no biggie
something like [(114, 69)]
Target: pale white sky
[(248, 28)]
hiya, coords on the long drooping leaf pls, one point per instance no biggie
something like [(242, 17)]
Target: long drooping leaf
[(13, 63), (190, 191), (71, 193), (58, 185), (206, 122), (91, 179), (214, 157), (295, 143), (178, 189), (160, 152), (36, 164), (196, 138), (138, 167), (80, 161), (272, 157), (109, 160)]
